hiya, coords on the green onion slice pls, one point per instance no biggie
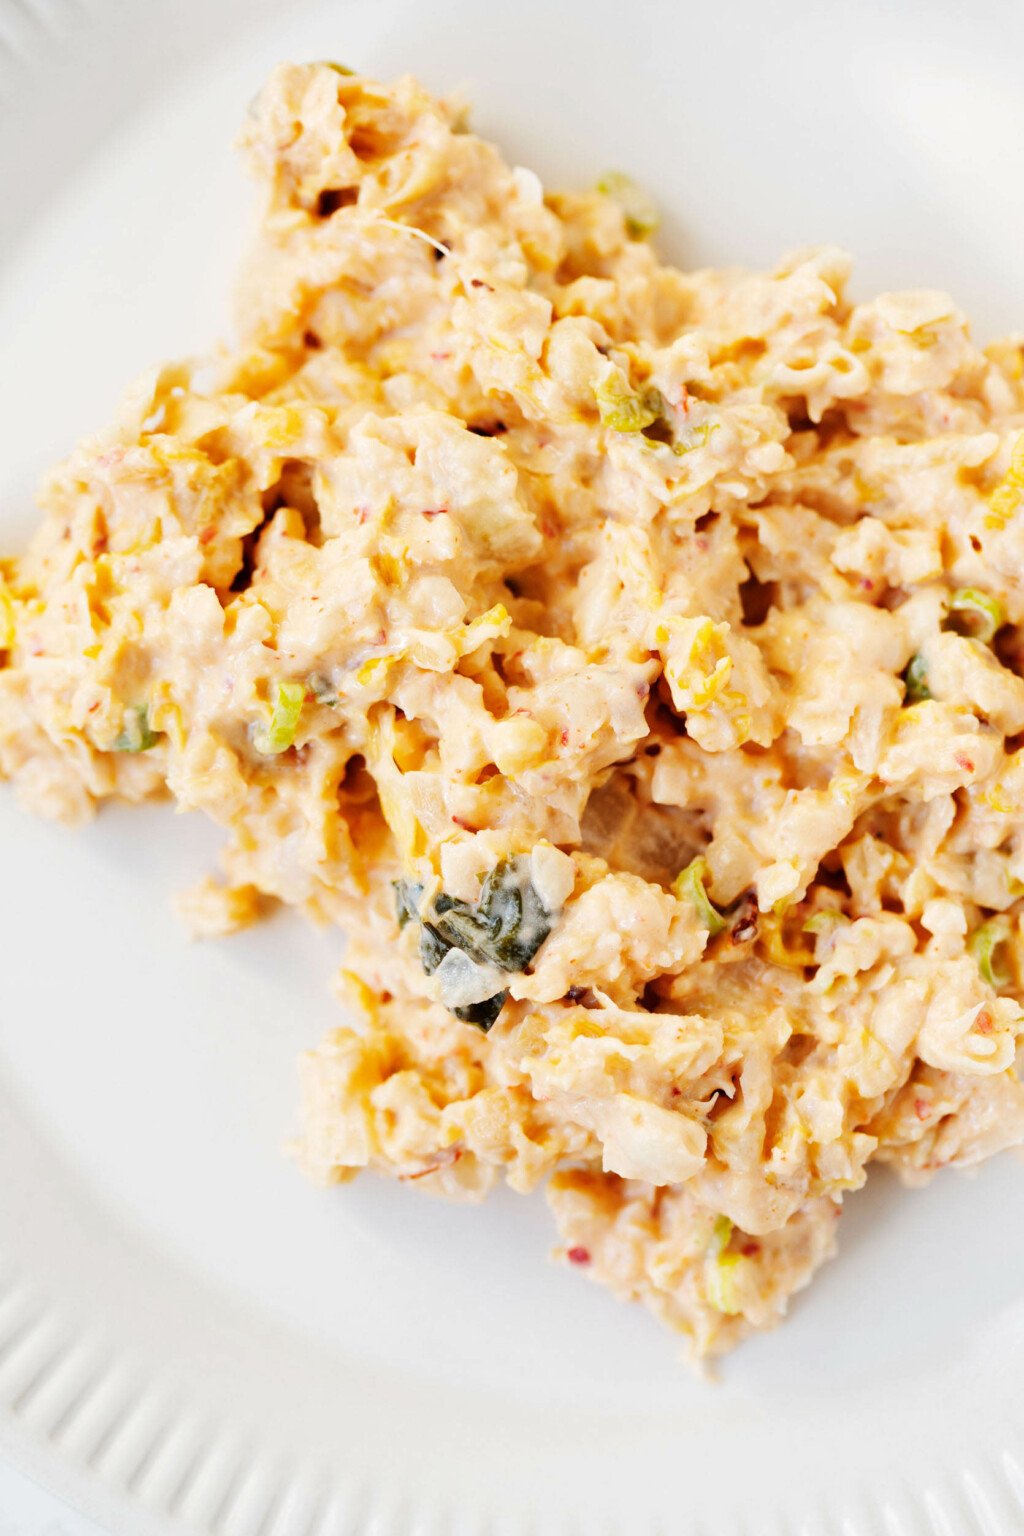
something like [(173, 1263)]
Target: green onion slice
[(136, 735), (690, 885), (915, 679), (638, 209), (278, 735), (987, 944), (622, 409), (975, 614)]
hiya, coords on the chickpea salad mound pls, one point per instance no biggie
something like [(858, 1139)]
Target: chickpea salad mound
[(630, 661)]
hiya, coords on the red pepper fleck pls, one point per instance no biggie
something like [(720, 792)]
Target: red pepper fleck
[(964, 762), (93, 707), (467, 826), (547, 528), (446, 1159), (750, 1250), (435, 511), (208, 534), (439, 357), (674, 1092), (564, 737), (578, 1255), (983, 1022), (478, 282), (922, 1109), (867, 583), (362, 513)]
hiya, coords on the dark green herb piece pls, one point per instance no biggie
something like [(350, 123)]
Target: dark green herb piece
[(915, 679), (506, 927), (433, 948), (407, 901), (482, 1014)]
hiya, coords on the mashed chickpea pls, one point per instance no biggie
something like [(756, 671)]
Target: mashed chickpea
[(629, 660)]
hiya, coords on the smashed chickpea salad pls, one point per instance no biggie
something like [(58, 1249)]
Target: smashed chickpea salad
[(630, 661)]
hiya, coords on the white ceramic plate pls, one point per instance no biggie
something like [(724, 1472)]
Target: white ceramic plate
[(191, 1339)]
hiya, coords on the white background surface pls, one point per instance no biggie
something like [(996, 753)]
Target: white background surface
[(28, 1510), (192, 1340)]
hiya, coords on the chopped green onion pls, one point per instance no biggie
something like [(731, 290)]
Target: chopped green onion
[(621, 409), (985, 944), (825, 920), (975, 614), (915, 680), (689, 885), (279, 734), (698, 438), (136, 734), (638, 210), (723, 1270)]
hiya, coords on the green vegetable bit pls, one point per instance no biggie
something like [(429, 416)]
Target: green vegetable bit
[(975, 614), (638, 209), (915, 681), (506, 927), (136, 734), (622, 409), (322, 689), (278, 735), (987, 944), (698, 438), (689, 884), (482, 1014), (407, 901), (825, 920)]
